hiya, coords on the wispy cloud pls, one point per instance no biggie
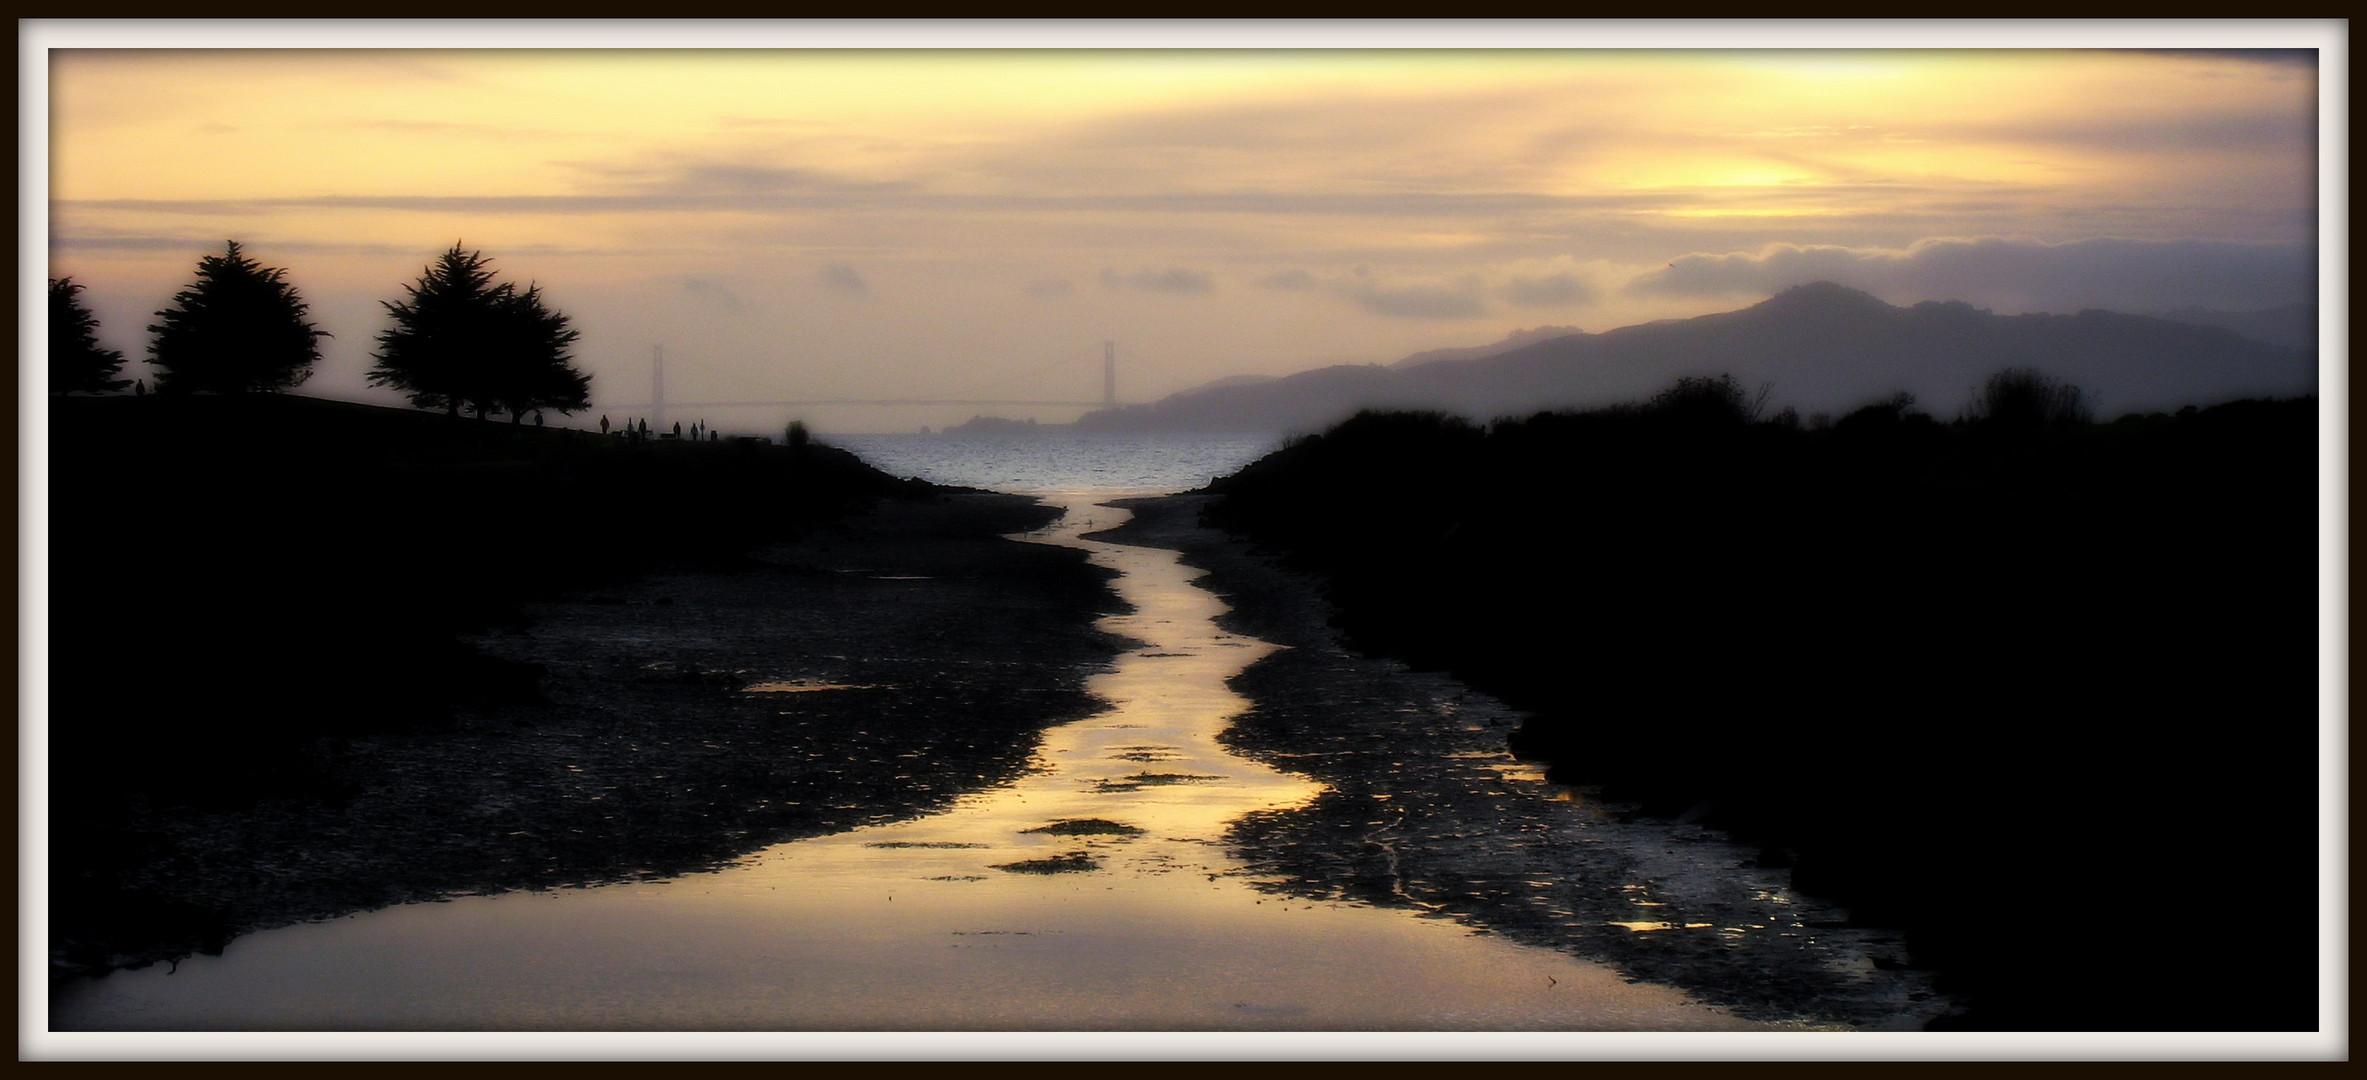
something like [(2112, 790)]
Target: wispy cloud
[(1173, 279), (713, 293), (208, 242), (439, 129), (764, 190)]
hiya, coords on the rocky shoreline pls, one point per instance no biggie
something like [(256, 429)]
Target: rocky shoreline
[(1427, 811)]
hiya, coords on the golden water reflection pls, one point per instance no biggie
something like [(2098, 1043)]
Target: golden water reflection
[(1095, 893)]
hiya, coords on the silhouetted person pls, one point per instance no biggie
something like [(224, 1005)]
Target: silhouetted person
[(677, 429), (139, 388), (538, 418), (603, 423)]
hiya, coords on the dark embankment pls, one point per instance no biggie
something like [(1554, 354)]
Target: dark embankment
[(2042, 695), (1419, 811), (308, 658)]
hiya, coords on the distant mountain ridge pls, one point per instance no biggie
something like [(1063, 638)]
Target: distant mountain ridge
[(2294, 326), (1821, 348), (1513, 340)]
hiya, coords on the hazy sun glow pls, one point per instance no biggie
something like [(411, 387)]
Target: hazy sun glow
[(827, 216)]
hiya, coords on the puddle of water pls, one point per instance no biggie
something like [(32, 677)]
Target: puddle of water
[(1093, 894), (801, 688)]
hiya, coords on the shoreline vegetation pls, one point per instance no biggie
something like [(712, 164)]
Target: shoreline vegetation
[(2039, 691), (309, 658)]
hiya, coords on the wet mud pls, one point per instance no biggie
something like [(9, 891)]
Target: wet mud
[(873, 672), (1426, 810), (862, 673)]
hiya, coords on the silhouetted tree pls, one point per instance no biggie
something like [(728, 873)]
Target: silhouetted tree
[(77, 363), (461, 340), (533, 369), (1720, 401), (2025, 398), (441, 334), (1884, 416), (238, 328)]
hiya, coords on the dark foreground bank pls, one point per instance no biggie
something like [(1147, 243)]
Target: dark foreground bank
[(1419, 813), (2042, 696), (328, 658)]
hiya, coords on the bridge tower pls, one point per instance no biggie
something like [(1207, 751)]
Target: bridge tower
[(1109, 374), (657, 386)]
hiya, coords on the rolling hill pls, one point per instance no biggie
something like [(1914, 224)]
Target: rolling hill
[(1819, 348)]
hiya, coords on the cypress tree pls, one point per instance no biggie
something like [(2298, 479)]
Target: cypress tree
[(77, 363), (239, 328), (461, 339)]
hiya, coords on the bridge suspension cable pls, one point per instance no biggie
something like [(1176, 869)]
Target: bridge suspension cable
[(658, 403)]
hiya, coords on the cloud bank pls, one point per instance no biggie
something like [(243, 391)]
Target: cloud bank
[(1457, 301), (2013, 276)]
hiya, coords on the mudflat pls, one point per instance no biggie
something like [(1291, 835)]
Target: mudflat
[(857, 672)]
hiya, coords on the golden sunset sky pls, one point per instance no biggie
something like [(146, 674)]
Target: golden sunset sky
[(925, 221)]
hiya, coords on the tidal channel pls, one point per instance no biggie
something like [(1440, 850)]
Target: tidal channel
[(1094, 894)]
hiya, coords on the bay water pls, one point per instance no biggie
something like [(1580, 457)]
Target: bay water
[(1061, 461)]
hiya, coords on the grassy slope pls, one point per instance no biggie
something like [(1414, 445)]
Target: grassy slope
[(270, 555)]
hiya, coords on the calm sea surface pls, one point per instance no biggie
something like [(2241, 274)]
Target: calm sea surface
[(1065, 461)]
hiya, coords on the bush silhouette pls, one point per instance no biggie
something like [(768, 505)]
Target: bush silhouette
[(1707, 401), (2023, 399)]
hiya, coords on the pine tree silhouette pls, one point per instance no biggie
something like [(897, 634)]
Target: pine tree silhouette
[(239, 328), (77, 363), (460, 339)]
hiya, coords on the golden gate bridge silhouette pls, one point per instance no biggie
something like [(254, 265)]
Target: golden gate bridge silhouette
[(657, 405)]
